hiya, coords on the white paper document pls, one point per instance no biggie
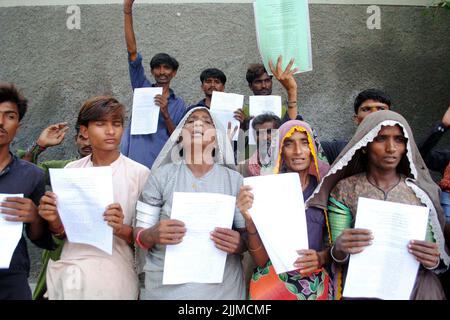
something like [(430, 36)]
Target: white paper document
[(283, 28), (280, 224), (385, 269), (196, 259), (10, 234), (145, 114), (82, 197), (262, 104), (223, 106)]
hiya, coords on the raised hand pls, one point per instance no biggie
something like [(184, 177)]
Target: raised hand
[(53, 135), (286, 77)]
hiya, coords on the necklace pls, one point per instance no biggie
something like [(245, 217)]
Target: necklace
[(388, 187)]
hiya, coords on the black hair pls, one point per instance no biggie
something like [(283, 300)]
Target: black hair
[(9, 93), (371, 94), (97, 108), (164, 58), (255, 71), (213, 73), (266, 117)]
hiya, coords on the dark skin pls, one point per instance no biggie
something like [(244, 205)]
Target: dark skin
[(384, 155), (297, 157), (105, 136), (15, 208), (197, 131), (162, 73)]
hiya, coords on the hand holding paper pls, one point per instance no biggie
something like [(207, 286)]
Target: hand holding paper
[(10, 234)]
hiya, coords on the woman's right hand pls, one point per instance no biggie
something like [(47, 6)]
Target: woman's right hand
[(165, 232), (352, 241), (245, 201)]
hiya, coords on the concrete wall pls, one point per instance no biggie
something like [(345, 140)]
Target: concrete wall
[(59, 68)]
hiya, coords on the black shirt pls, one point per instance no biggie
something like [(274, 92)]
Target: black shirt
[(19, 177)]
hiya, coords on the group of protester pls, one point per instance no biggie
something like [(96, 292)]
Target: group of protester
[(192, 152)]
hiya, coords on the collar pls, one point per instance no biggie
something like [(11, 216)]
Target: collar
[(8, 166)]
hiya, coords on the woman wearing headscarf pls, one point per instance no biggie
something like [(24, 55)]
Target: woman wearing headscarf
[(297, 153), (382, 162), (197, 158)]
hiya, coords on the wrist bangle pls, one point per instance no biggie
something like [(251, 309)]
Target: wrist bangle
[(337, 260), (138, 241), (254, 250), (435, 266), (292, 102)]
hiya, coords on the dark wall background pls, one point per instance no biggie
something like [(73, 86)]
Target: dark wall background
[(59, 68)]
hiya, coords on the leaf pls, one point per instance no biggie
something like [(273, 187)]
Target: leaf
[(256, 276), (296, 277), (283, 277), (320, 289), (292, 288), (300, 296), (265, 271), (312, 297)]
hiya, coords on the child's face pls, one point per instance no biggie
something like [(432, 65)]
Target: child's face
[(105, 134)]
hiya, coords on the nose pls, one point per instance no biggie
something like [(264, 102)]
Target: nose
[(110, 129), (297, 149), (391, 146)]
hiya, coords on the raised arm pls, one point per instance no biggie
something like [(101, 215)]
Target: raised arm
[(287, 80), (51, 136), (129, 31)]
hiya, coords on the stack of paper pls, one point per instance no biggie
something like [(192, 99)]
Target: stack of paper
[(262, 104), (385, 269), (145, 114), (278, 212), (283, 28), (201, 261), (10, 234), (82, 197), (223, 106)]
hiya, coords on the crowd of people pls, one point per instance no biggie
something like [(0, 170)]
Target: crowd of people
[(192, 152)]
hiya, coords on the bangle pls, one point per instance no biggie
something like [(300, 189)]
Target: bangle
[(252, 233), (292, 102), (435, 266), (337, 260), (138, 241), (254, 250), (60, 233)]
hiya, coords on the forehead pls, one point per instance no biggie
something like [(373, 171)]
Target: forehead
[(297, 136), (391, 130), (199, 114), (265, 125), (373, 103), (209, 79), (9, 106), (264, 76)]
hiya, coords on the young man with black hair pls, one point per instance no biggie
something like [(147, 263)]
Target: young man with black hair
[(19, 177), (145, 148)]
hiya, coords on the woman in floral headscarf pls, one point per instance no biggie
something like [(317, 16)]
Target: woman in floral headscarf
[(297, 153)]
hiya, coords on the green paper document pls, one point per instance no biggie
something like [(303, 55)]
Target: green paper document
[(282, 28)]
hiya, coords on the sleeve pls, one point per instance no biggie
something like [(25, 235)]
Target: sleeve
[(339, 215), (432, 139), (332, 149), (437, 160), (148, 208), (125, 143), (238, 220), (46, 240), (179, 111), (137, 73)]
